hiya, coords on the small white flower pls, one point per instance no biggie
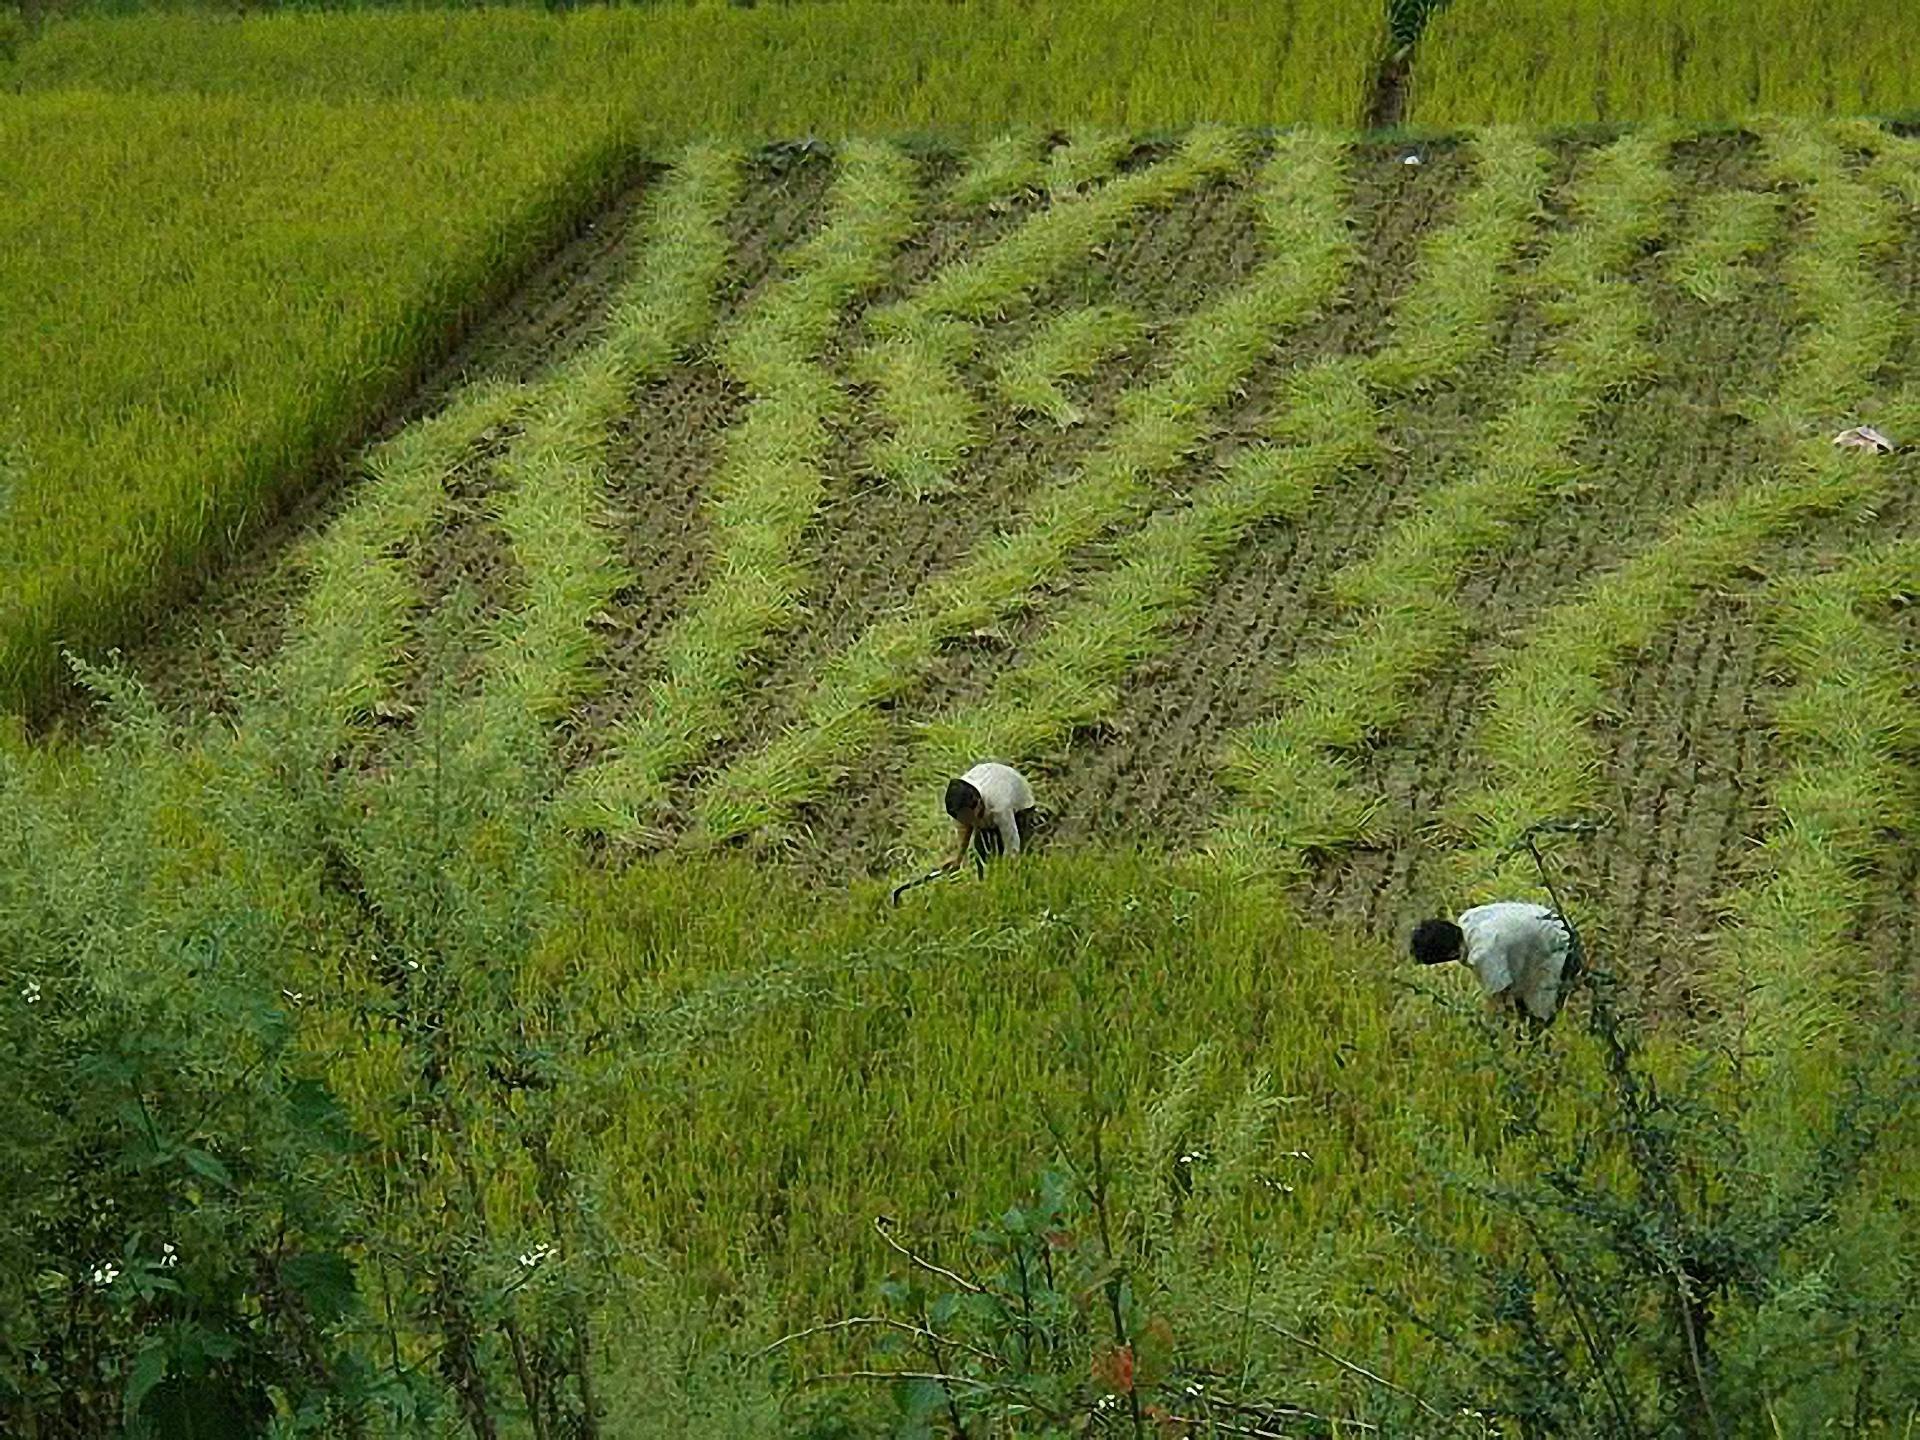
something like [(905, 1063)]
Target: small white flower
[(538, 1256), (105, 1273), (30, 992), (169, 1257)]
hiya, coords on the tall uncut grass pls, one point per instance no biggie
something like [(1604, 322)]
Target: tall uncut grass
[(207, 298), (1568, 61), (858, 67)]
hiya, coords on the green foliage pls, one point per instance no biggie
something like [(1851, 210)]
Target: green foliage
[(746, 73), (177, 391), (1574, 61)]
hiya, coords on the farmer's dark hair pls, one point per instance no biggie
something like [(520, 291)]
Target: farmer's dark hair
[(962, 799), (1435, 942)]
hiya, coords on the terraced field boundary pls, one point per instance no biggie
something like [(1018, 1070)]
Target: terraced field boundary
[(1786, 971), (917, 345), (344, 645), (1539, 744), (1327, 427), (1160, 423), (767, 493), (1290, 772)]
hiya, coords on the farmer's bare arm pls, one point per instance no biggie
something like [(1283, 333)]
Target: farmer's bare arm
[(960, 850)]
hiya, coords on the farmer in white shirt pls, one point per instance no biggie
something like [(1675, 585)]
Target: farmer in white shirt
[(993, 806), (1525, 955)]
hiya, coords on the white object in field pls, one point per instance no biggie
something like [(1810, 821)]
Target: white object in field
[(1865, 437), (1411, 160)]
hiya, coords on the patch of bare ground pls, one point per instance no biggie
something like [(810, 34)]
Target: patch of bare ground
[(1153, 771), (665, 453)]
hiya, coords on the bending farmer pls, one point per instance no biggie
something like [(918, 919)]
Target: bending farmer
[(1525, 955), (993, 805)]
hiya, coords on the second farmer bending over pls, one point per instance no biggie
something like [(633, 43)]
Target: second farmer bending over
[(993, 806), (1524, 954)]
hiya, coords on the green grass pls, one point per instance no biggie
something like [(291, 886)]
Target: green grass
[(1728, 230), (833, 69), (346, 633), (766, 493), (1573, 61), (917, 345), (168, 394), (1001, 170), (1160, 423)]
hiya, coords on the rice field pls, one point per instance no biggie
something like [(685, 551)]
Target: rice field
[(1305, 523), (456, 950), (1615, 61), (1366, 489)]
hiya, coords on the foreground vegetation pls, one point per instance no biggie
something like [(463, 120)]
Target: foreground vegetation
[(350, 1103)]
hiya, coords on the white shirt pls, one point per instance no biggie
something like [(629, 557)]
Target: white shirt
[(1519, 947), (1004, 793)]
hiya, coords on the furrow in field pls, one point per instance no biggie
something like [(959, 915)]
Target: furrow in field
[(1291, 772), (1326, 428), (1160, 424), (769, 487), (347, 632), (1538, 743), (912, 359), (1787, 973), (555, 470)]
